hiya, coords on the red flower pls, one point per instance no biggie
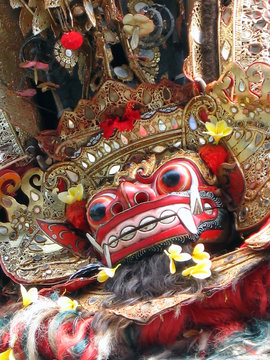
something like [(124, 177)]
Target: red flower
[(126, 122), (72, 40), (108, 126), (35, 66)]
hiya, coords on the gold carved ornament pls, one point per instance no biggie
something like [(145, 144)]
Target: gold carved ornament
[(241, 99), (242, 31)]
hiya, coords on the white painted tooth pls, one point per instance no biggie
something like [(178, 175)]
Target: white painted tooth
[(147, 220), (148, 223), (168, 220), (127, 229), (130, 232), (167, 217), (208, 208), (148, 227), (195, 201), (112, 241), (186, 218), (167, 213)]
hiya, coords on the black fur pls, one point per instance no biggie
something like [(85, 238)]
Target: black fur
[(148, 278)]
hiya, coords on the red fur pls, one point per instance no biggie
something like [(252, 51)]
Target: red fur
[(43, 344), (220, 314), (225, 310), (4, 342), (68, 336), (213, 156), (165, 329), (75, 214)]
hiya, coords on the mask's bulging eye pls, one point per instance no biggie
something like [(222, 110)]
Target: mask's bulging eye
[(98, 211), (173, 178)]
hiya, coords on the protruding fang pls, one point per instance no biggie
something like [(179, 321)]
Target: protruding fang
[(195, 201), (186, 218), (94, 243), (107, 255)]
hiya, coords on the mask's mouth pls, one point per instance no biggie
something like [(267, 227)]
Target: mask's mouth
[(151, 223), (154, 223)]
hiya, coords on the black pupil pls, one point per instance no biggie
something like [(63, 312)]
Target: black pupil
[(171, 178), (97, 211)]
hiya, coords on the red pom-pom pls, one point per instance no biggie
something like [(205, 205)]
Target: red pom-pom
[(213, 156), (72, 40), (76, 215)]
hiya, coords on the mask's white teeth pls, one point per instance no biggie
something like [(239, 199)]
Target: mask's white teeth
[(167, 220), (112, 241), (107, 255), (94, 243), (208, 209), (148, 223), (186, 218), (167, 217), (130, 232)]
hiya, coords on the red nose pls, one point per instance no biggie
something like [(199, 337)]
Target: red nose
[(129, 195)]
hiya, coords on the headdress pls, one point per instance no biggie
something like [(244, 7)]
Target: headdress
[(239, 97)]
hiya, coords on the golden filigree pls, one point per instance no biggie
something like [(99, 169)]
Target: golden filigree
[(26, 252), (76, 127), (242, 36), (241, 99)]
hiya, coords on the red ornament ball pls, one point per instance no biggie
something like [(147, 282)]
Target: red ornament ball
[(72, 40)]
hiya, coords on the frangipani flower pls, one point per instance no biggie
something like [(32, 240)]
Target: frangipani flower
[(218, 130), (73, 194), (7, 355), (30, 296), (175, 254), (106, 273), (65, 303), (199, 255), (200, 270)]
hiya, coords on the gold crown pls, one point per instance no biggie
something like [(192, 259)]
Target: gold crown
[(239, 97)]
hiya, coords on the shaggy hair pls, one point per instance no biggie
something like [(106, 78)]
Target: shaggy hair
[(149, 278)]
